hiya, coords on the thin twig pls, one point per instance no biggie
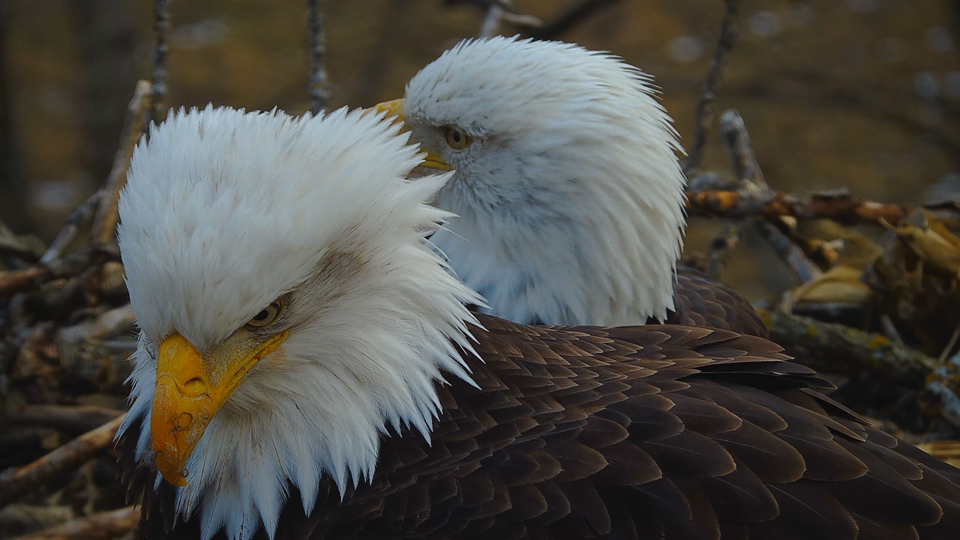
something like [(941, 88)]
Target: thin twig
[(79, 219), (950, 345), (822, 253), (16, 247), (319, 88), (736, 139), (703, 118), (22, 280), (105, 223), (491, 22), (102, 526), (577, 13), (16, 483), (67, 266), (73, 419), (943, 384), (836, 205), (722, 248), (107, 324), (158, 94), (502, 11), (805, 269)]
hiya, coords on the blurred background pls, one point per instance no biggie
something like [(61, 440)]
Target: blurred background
[(862, 94)]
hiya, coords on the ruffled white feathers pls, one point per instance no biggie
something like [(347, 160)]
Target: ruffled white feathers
[(571, 196), (223, 212)]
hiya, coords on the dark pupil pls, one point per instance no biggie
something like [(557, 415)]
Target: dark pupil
[(262, 315), (456, 137)]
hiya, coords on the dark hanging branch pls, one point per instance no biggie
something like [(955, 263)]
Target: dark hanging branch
[(319, 86), (578, 12), (158, 93), (703, 118)]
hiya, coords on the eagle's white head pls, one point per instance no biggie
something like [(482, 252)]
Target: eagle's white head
[(290, 309), (567, 183)]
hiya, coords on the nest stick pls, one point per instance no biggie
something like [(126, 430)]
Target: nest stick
[(17, 482)]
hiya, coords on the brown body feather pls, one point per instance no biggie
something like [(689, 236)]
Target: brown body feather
[(650, 432), (701, 301)]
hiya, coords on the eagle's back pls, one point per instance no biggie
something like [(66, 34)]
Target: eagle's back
[(701, 301), (646, 432)]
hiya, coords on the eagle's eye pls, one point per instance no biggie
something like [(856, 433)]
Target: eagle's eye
[(456, 138), (267, 315)]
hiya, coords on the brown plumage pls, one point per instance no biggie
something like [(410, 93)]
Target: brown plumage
[(673, 432), (701, 301)]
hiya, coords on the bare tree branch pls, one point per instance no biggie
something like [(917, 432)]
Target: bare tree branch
[(72, 419), (502, 11), (703, 118), (721, 250), (105, 223), (491, 22), (158, 94), (736, 140), (578, 12), (16, 483), (836, 348), (805, 269), (79, 219), (16, 247), (68, 266), (837, 205), (102, 526), (319, 88)]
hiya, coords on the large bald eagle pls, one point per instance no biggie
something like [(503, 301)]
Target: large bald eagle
[(307, 369), (568, 191)]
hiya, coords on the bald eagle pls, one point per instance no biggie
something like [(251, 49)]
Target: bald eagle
[(306, 368), (568, 191)]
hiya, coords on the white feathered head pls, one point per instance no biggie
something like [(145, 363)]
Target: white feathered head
[(567, 184), (290, 311)]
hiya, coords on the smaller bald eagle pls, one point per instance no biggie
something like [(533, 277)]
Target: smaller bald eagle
[(307, 369), (568, 191)]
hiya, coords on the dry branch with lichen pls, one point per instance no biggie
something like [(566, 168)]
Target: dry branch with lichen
[(838, 205)]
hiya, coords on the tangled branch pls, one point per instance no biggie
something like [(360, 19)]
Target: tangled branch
[(17, 482), (838, 205)]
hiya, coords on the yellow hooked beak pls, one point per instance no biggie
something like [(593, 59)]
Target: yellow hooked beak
[(191, 388), (395, 108)]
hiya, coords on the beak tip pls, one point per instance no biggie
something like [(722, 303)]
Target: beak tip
[(174, 477), (170, 469)]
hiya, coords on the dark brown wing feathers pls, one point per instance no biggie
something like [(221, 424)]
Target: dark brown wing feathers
[(700, 301), (652, 432)]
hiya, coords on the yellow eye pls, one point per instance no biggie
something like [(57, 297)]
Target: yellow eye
[(267, 315), (456, 139)]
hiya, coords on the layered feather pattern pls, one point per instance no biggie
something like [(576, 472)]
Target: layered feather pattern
[(649, 432)]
